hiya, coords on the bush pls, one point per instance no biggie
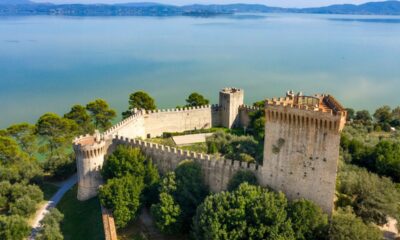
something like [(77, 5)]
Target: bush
[(373, 198), (346, 226)]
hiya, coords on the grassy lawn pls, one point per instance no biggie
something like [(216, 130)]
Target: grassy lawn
[(196, 147), (82, 220)]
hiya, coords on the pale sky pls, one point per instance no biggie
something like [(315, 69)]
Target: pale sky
[(277, 3)]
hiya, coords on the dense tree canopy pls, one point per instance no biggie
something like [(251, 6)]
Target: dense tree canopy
[(386, 157), (308, 220), (249, 212), (350, 114), (13, 227), (122, 195), (132, 181), (139, 100), (123, 161), (243, 148), (195, 99), (50, 229), (57, 134), (373, 198), (167, 212), (101, 114), (24, 134), (363, 116), (346, 226), (79, 114), (191, 190), (56, 131)]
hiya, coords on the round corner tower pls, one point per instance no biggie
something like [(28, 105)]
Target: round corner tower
[(90, 151), (230, 99), (301, 149)]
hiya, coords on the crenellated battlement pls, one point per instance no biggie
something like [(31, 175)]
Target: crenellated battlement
[(321, 111), (248, 107), (183, 154)]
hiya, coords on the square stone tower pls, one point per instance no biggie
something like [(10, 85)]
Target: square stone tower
[(230, 99), (301, 148)]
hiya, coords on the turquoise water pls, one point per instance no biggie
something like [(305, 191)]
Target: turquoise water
[(51, 63)]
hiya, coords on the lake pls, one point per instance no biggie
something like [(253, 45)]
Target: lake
[(47, 64)]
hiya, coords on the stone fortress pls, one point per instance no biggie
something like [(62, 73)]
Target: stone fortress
[(301, 148)]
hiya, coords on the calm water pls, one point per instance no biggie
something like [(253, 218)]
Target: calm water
[(51, 63)]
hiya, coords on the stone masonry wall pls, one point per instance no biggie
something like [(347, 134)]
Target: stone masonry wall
[(216, 172), (301, 153)]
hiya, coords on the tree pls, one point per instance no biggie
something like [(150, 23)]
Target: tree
[(50, 226), (139, 100), (57, 132), (13, 227), (23, 206), (24, 134), (122, 196), (191, 189), (396, 113), (350, 114), (249, 212), (78, 113), (383, 115), (257, 121), (195, 99), (346, 226), (308, 220), (167, 213), (373, 198), (10, 152), (396, 117), (363, 116), (240, 177), (16, 165), (101, 114), (387, 159), (123, 161)]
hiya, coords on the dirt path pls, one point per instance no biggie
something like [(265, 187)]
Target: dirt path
[(65, 186)]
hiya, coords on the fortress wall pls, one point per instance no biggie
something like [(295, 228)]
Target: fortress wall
[(301, 153), (132, 126), (179, 120), (244, 117), (216, 172)]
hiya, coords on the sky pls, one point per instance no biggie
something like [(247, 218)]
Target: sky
[(275, 3)]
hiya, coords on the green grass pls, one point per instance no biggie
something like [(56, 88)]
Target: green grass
[(49, 189), (196, 147), (82, 220)]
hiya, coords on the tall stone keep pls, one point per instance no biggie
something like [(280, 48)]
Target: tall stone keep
[(230, 99), (301, 148)]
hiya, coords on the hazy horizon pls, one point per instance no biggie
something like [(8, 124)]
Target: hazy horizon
[(274, 3)]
